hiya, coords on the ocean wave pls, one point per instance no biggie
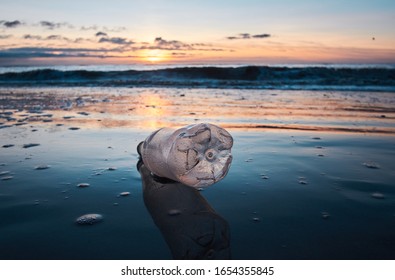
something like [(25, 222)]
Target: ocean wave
[(254, 77)]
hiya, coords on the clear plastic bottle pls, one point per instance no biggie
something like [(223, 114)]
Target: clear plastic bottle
[(196, 155)]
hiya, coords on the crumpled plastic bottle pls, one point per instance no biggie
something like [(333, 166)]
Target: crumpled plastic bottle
[(196, 155)]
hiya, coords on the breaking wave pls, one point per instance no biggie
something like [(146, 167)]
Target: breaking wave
[(254, 77)]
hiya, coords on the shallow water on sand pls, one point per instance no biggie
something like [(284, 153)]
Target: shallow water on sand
[(312, 175), (288, 195), (367, 112)]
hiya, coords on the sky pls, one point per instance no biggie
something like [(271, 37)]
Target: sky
[(59, 32)]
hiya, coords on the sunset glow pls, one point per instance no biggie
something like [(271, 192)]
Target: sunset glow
[(171, 32), (154, 56)]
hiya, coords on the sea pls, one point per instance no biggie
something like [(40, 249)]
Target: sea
[(347, 77)]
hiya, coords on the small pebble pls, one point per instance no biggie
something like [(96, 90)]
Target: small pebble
[(20, 123), (8, 145), (41, 167), (325, 215), (372, 165), (25, 146), (174, 212), (74, 128), (377, 195), (89, 219)]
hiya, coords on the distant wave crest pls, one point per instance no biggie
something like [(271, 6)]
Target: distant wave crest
[(254, 77)]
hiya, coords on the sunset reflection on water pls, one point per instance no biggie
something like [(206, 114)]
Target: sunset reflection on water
[(152, 108)]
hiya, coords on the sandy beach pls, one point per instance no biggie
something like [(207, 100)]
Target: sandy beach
[(312, 175)]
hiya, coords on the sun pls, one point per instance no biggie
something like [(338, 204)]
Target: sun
[(154, 56)]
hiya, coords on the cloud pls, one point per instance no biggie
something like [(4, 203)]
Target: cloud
[(45, 52), (53, 25), (50, 38), (245, 35), (171, 44), (92, 27), (261, 36), (103, 28), (5, 36), (248, 36), (181, 55), (56, 37), (100, 33), (114, 29), (116, 40), (32, 37), (50, 25), (10, 24), (80, 40), (175, 45)]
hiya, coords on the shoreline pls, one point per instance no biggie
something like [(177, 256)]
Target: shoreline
[(331, 111)]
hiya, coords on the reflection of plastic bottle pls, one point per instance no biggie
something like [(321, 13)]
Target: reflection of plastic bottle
[(196, 155), (191, 227)]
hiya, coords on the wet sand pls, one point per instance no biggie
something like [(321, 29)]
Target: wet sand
[(367, 112), (312, 176)]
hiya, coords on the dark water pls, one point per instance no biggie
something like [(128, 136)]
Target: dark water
[(288, 195)]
